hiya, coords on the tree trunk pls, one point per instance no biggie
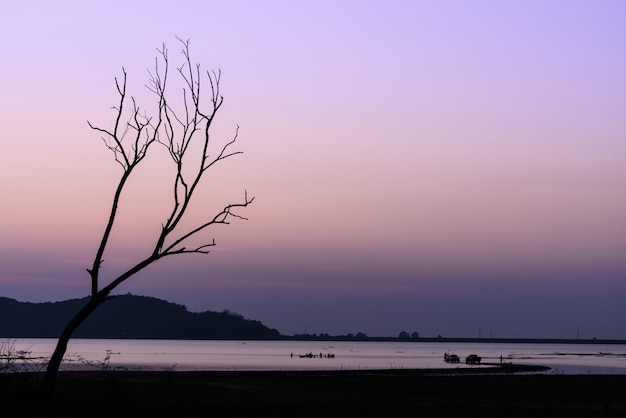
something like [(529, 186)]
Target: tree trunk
[(47, 386)]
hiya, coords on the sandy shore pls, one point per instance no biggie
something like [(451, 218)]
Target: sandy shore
[(316, 394)]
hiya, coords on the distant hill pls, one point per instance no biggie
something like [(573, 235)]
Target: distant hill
[(126, 316)]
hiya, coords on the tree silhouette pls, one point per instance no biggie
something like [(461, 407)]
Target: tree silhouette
[(184, 130)]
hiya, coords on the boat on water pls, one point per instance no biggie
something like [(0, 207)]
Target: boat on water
[(311, 355)]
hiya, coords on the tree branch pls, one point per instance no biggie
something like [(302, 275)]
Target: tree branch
[(179, 135)]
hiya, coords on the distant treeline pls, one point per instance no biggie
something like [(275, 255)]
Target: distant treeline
[(127, 316), (131, 316), (439, 339)]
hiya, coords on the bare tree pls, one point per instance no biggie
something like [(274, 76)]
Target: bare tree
[(186, 134)]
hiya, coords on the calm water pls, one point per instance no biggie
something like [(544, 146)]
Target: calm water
[(277, 355)]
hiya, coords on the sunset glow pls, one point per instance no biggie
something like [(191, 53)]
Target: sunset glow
[(430, 166)]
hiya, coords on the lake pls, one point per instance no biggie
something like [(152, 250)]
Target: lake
[(183, 355)]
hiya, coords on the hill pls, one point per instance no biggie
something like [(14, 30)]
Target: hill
[(127, 316)]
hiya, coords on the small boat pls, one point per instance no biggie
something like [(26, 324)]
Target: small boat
[(311, 355)]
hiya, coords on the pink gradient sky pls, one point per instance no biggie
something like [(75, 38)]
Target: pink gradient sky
[(432, 166)]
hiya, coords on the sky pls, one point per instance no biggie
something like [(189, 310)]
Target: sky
[(450, 168)]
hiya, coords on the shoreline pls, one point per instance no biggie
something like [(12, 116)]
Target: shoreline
[(434, 392)]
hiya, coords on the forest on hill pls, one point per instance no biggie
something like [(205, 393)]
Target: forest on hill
[(133, 316), (127, 316)]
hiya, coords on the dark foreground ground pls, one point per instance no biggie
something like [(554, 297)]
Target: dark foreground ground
[(316, 394)]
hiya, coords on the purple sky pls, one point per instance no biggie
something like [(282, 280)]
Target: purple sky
[(430, 166)]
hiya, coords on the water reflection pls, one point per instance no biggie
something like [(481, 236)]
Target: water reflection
[(336, 355)]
